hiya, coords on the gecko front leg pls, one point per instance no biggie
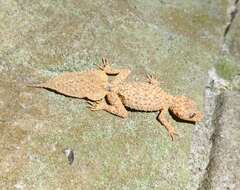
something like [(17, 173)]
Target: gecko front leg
[(115, 105), (166, 124)]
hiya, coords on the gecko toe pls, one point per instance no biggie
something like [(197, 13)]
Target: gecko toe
[(172, 134)]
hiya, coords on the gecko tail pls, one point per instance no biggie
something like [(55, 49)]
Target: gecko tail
[(41, 85)]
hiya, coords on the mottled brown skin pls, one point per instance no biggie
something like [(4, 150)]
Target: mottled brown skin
[(144, 96)]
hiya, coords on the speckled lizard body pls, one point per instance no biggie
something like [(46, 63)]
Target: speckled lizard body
[(144, 96)]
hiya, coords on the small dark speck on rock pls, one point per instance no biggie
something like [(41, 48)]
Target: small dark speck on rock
[(69, 154)]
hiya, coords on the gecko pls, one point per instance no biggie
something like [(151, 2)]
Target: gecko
[(114, 96), (143, 96)]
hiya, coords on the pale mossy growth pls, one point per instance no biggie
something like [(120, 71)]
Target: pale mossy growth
[(227, 68)]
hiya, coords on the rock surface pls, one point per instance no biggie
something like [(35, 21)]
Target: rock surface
[(231, 33), (223, 170), (177, 41)]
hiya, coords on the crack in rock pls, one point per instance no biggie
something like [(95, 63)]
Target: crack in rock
[(202, 133), (231, 13)]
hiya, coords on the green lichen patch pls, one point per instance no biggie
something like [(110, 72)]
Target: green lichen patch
[(227, 69)]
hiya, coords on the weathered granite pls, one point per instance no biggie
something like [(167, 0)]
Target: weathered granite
[(223, 170), (177, 41), (219, 105), (231, 41)]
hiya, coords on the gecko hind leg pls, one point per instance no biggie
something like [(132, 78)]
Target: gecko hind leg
[(121, 74), (115, 105), (106, 67)]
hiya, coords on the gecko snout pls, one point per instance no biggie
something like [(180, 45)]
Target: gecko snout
[(185, 109)]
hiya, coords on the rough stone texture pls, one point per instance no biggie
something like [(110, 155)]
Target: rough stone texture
[(177, 41), (201, 139), (224, 163), (232, 36)]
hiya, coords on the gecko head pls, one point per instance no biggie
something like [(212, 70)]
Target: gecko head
[(185, 109)]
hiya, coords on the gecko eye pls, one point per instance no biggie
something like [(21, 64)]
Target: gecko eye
[(192, 115)]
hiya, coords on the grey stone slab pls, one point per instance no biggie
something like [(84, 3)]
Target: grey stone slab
[(223, 170), (176, 41)]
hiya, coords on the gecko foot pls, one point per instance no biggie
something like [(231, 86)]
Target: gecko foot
[(152, 80), (95, 106), (105, 66), (171, 133)]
